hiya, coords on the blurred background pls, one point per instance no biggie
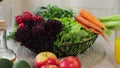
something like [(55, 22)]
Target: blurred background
[(97, 7)]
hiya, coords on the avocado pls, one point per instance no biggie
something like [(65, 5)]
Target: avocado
[(5, 63), (21, 64)]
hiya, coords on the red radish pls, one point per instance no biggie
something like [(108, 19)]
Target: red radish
[(39, 18), (19, 19), (27, 12), (26, 15), (34, 17), (21, 25)]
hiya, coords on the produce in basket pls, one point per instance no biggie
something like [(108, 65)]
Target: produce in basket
[(54, 29), (41, 35)]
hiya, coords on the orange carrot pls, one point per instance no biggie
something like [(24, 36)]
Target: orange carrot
[(89, 29), (103, 35), (96, 32), (87, 23), (90, 26), (91, 18)]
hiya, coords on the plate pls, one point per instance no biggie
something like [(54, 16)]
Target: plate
[(93, 56), (90, 58)]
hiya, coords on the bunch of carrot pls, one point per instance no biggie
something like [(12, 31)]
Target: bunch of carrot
[(91, 23)]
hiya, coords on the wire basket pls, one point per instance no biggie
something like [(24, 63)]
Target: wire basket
[(74, 49)]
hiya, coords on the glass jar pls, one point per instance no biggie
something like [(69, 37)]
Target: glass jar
[(4, 51)]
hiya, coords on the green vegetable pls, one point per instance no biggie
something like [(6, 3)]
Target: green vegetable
[(110, 18), (110, 24), (78, 35), (5, 63), (21, 64), (72, 33), (12, 33), (50, 12), (66, 39)]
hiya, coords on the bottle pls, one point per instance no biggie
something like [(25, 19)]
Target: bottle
[(4, 51)]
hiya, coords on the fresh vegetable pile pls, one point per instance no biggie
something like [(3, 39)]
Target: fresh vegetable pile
[(72, 33), (57, 34), (59, 31), (38, 34), (35, 33)]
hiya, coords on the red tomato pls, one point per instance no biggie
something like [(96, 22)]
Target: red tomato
[(69, 62)]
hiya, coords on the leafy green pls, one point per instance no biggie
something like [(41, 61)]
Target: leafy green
[(72, 33), (50, 12), (66, 39), (12, 33)]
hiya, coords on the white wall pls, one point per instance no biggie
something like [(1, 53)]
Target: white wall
[(32, 4), (97, 7), (17, 5), (8, 14)]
